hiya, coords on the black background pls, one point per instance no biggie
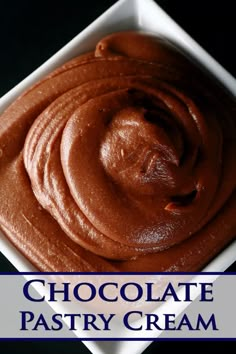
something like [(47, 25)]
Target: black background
[(30, 32)]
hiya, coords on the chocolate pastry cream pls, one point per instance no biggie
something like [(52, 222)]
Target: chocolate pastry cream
[(123, 159)]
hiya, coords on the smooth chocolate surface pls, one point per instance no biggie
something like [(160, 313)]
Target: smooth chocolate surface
[(123, 159)]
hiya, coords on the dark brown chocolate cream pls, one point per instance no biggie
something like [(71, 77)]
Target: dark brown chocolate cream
[(123, 159)]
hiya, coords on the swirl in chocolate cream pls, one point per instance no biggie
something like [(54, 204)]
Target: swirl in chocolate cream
[(125, 160)]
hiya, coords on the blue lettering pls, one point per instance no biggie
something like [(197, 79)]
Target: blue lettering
[(26, 290), (127, 317)]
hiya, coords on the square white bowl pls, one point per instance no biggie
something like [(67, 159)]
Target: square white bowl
[(124, 15)]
